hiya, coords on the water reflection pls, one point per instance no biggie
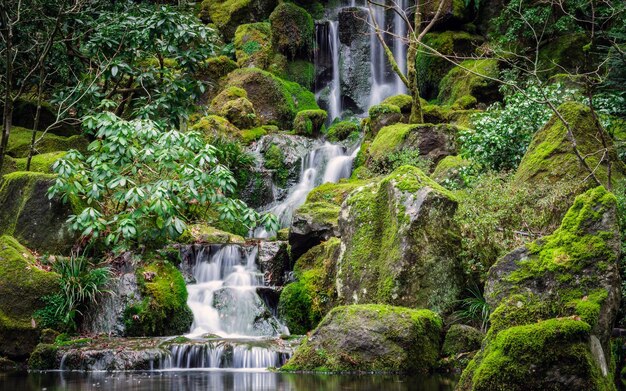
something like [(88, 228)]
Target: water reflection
[(219, 381)]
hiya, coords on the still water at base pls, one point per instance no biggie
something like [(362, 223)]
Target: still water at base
[(219, 380)]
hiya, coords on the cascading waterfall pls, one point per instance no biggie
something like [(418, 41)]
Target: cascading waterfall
[(334, 109), (399, 45)]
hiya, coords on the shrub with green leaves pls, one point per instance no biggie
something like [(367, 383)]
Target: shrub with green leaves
[(142, 183), (500, 136)]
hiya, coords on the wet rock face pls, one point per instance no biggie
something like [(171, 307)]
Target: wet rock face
[(401, 244), (371, 338), (293, 148), (310, 226), (243, 309), (274, 261), (355, 61), (554, 303)]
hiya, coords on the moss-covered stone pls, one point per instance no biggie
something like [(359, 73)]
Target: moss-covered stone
[(163, 309), (462, 89), (293, 31), (22, 285), (215, 127), (448, 170), (43, 357), (309, 122), (253, 45), (380, 116), (403, 101), (554, 303), (401, 243), (229, 14), (25, 110), (214, 68), (563, 53), (431, 68), (299, 71), (342, 130), (429, 142), (304, 303), (250, 135), (276, 101), (371, 338), (274, 159), (452, 14), (20, 139), (240, 113), (29, 215), (461, 339), (202, 233)]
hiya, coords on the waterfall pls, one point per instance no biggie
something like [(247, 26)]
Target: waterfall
[(334, 109), (400, 31), (222, 354), (224, 300), (325, 163)]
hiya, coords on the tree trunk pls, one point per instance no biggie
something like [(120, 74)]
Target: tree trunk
[(417, 117)]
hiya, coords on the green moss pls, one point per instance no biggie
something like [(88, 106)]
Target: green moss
[(402, 101), (309, 122), (563, 53), (432, 69), (388, 140), (250, 135), (253, 45), (461, 339), (462, 89), (402, 340), (522, 355), (334, 193), (163, 309), (202, 233), (550, 158), (214, 127), (448, 170), (20, 138), (274, 159), (292, 30), (43, 357), (342, 130), (214, 68), (276, 100), (378, 110), (301, 72), (228, 14)]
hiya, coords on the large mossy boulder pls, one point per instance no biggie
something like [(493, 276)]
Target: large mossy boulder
[(550, 160), (429, 142), (28, 214), (214, 127), (317, 219), (401, 243), (20, 140), (309, 122), (253, 45), (432, 68), (229, 14), (371, 337), (344, 130), (293, 31), (306, 301), (163, 309), (276, 101), (22, 286), (449, 171), (462, 89), (452, 13), (383, 115), (461, 339), (25, 111), (554, 302)]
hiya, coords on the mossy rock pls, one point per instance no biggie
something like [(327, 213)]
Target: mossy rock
[(383, 115), (564, 53), (371, 337), (253, 45), (25, 110), (401, 244), (550, 159), (463, 90), (163, 309), (554, 304), (452, 14), (39, 163), (304, 303), (293, 31), (431, 68), (240, 113), (276, 101), (22, 285), (299, 71), (44, 357), (461, 338), (29, 215), (309, 122), (214, 127), (251, 135), (343, 130), (430, 142), (214, 68), (20, 139), (274, 159), (229, 14), (403, 101), (226, 95), (448, 170), (202, 233), (316, 221)]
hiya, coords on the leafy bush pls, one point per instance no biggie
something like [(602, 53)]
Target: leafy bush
[(141, 183), (500, 136), (80, 285)]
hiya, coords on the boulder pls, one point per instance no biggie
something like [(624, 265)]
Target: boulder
[(554, 302), (258, 190), (317, 219), (22, 285), (404, 103), (202, 233), (383, 115), (309, 122), (288, 152), (214, 127), (355, 46), (453, 13), (464, 90), (274, 261), (30, 216), (276, 101), (253, 45), (371, 337), (229, 14), (429, 142), (460, 339), (293, 31), (449, 171), (20, 140), (304, 303), (401, 243), (343, 130)]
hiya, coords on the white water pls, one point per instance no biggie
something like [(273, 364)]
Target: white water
[(224, 299), (399, 44), (325, 163), (221, 354)]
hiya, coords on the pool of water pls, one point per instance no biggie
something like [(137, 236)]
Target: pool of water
[(218, 381)]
